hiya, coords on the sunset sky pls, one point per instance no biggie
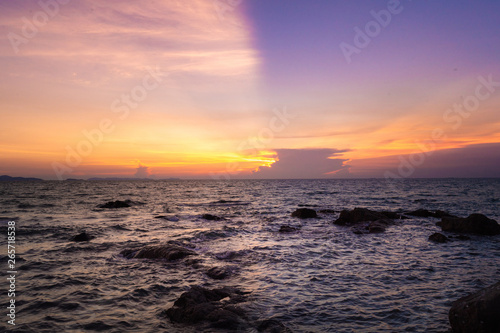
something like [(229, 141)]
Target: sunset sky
[(250, 89)]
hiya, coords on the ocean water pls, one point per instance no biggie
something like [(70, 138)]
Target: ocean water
[(323, 278)]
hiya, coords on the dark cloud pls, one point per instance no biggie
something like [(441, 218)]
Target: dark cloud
[(473, 161), (303, 163)]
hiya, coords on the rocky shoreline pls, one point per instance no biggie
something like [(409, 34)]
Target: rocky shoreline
[(225, 307)]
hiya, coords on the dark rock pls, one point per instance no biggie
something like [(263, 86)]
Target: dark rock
[(287, 228), (218, 273), (272, 326), (373, 227), (394, 215), (222, 318), (378, 226), (438, 238), (462, 237), (210, 217), (82, 237), (117, 204), (326, 211), (473, 224), (426, 213), (202, 304), (168, 251), (477, 312), (357, 215), (305, 213)]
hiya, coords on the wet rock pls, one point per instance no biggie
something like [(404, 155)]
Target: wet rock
[(394, 215), (378, 226), (374, 227), (210, 217), (357, 215), (117, 204), (168, 252), (473, 224), (82, 237), (326, 211), (462, 237), (218, 273), (305, 213), (216, 306), (272, 326), (438, 238), (287, 228), (477, 312), (426, 213)]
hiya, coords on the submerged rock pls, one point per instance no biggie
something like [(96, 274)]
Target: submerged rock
[(117, 204), (477, 312), (82, 237), (357, 215), (168, 252), (473, 224), (215, 306), (210, 217), (438, 238), (218, 273), (305, 213), (287, 228)]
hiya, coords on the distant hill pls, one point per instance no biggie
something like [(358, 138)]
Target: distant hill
[(6, 178), (152, 179)]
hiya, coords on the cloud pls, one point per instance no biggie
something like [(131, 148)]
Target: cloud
[(472, 161), (142, 172), (303, 163)]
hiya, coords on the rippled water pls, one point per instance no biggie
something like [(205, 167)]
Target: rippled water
[(323, 278)]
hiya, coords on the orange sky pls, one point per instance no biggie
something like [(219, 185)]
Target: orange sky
[(186, 89)]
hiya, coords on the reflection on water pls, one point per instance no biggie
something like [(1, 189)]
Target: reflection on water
[(322, 278)]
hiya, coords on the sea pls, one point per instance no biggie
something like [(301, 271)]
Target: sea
[(320, 278)]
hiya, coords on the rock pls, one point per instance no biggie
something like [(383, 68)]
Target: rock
[(82, 237), (473, 224), (462, 237), (287, 228), (326, 211), (272, 326), (168, 252), (210, 217), (218, 273), (477, 312), (438, 238), (117, 204), (426, 213), (373, 227), (378, 226), (305, 213), (216, 306), (357, 215)]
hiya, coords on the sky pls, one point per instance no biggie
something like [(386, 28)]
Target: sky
[(229, 89)]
